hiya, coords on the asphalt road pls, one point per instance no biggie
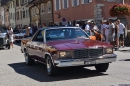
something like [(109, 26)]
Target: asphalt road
[(14, 72)]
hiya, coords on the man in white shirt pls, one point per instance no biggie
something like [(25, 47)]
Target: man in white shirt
[(121, 31), (111, 32), (87, 27)]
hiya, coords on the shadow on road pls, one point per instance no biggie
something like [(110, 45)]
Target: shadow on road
[(38, 72), (125, 51), (124, 60)]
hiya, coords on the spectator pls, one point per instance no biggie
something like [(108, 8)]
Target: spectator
[(111, 33), (27, 31), (106, 31), (43, 25), (121, 31), (117, 34), (10, 34)]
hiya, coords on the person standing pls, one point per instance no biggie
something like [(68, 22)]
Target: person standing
[(121, 30), (106, 31), (27, 31), (43, 25), (111, 33), (87, 28), (117, 34), (11, 36)]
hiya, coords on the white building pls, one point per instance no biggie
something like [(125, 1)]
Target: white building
[(2, 16), (25, 13), (12, 6)]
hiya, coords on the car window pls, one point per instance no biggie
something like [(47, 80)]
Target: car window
[(64, 33), (39, 36)]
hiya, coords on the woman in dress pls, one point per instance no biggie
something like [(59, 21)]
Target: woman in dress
[(10, 34)]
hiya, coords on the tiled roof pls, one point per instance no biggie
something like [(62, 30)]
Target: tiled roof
[(3, 2)]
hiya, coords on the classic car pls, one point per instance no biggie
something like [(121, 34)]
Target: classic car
[(23, 43), (20, 35), (4, 41), (67, 47)]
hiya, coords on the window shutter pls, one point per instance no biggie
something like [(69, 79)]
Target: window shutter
[(55, 4), (77, 2), (90, 1), (82, 1), (63, 4), (67, 3), (59, 4), (72, 2)]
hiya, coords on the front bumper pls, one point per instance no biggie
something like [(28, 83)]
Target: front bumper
[(82, 62)]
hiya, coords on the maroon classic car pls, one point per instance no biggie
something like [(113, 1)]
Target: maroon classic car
[(67, 47)]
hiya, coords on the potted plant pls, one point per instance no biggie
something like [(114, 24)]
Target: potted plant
[(120, 10)]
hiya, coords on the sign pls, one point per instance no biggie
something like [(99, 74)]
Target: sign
[(64, 20)]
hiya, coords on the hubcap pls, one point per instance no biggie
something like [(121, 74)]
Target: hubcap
[(48, 65)]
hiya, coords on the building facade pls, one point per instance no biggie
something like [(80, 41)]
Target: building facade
[(70, 10), (18, 13), (12, 16), (25, 13), (41, 12), (2, 16)]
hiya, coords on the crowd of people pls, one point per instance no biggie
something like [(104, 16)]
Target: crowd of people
[(112, 32)]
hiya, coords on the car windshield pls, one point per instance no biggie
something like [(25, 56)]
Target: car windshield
[(23, 31), (65, 33)]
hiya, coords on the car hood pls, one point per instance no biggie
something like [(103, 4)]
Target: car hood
[(79, 43)]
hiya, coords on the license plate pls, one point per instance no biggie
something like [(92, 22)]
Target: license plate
[(89, 62)]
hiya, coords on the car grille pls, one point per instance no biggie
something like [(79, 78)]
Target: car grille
[(1, 41), (87, 53)]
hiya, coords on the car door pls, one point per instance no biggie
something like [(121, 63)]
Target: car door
[(36, 46)]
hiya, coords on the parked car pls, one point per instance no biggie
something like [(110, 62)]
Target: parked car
[(66, 47), (18, 36), (4, 40)]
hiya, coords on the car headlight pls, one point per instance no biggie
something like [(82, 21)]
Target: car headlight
[(65, 54), (109, 50)]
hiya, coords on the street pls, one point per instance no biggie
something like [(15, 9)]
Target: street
[(14, 72)]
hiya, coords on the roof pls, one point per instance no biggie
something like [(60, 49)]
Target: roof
[(3, 2), (46, 28)]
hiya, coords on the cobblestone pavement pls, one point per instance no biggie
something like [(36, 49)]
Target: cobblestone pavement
[(14, 72)]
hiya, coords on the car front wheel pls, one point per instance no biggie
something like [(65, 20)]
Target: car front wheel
[(29, 61), (51, 70), (102, 67)]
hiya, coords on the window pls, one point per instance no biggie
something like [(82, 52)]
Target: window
[(75, 2), (39, 36), (26, 14), (17, 2), (49, 6), (14, 4), (65, 3), (42, 8), (85, 1), (111, 0), (17, 15), (57, 5), (23, 14)]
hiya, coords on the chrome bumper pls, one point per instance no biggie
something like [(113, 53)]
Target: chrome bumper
[(108, 58)]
